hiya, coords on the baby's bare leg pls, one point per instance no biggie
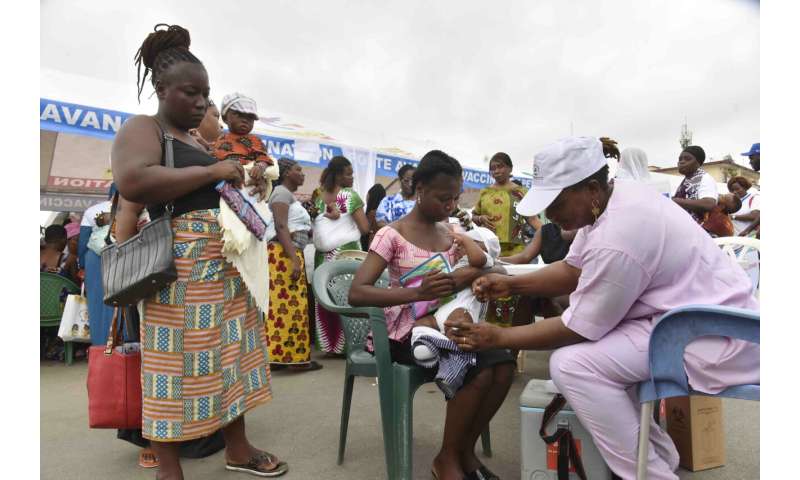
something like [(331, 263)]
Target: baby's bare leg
[(422, 352)]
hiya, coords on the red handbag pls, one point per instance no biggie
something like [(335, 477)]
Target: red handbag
[(114, 382)]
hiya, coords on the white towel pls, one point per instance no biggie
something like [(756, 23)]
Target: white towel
[(243, 249)]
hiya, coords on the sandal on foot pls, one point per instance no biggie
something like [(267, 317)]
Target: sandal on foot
[(466, 477), (147, 458), (254, 466), (482, 473), (488, 474)]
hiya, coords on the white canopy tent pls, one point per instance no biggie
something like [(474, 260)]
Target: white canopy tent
[(79, 117)]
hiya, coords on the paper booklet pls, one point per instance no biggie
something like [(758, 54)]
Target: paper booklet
[(413, 279)]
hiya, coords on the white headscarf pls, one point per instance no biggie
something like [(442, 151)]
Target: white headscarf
[(633, 165)]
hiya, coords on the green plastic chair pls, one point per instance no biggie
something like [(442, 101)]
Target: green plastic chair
[(51, 308), (331, 291), (397, 383)]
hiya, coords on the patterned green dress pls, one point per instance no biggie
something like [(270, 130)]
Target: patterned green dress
[(329, 333)]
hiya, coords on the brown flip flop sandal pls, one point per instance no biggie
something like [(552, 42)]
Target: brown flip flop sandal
[(254, 466), (147, 458)]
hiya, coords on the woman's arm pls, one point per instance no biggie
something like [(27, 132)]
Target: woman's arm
[(137, 170), (754, 225), (364, 293), (701, 205), (530, 251), (280, 214), (747, 217), (465, 276), (556, 279), (71, 269), (549, 334), (127, 219), (361, 221)]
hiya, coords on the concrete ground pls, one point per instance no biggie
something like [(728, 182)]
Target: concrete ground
[(301, 425)]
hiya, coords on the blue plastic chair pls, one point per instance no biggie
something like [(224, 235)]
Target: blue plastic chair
[(676, 329)]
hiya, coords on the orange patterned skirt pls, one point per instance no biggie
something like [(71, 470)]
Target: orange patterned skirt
[(204, 353)]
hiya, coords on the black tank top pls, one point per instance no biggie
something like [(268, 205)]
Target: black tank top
[(554, 248), (205, 197)]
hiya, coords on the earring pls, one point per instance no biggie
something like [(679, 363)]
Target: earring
[(595, 209)]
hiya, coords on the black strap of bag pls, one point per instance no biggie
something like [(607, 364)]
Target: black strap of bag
[(567, 450)]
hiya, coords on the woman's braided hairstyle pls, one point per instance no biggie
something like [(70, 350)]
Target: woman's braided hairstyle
[(610, 149), (159, 51)]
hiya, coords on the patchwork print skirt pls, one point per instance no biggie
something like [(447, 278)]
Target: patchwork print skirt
[(204, 350)]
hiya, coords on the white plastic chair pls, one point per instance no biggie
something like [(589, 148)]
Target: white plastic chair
[(744, 251)]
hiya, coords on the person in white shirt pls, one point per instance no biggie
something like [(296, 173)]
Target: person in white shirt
[(697, 194), (748, 217), (745, 221)]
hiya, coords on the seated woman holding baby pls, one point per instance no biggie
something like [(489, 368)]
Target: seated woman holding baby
[(403, 246)]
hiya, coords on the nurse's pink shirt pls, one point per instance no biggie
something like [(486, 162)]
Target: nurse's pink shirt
[(644, 256)]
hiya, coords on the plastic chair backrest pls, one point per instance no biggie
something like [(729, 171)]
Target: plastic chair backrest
[(680, 326), (737, 247), (351, 254), (51, 288), (331, 285)]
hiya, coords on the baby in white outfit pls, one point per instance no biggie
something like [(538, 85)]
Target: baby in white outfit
[(482, 248)]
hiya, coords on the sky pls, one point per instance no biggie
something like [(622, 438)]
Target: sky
[(456, 76)]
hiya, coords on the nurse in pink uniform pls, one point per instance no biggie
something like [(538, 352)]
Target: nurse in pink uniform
[(636, 256)]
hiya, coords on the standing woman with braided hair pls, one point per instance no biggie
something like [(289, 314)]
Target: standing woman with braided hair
[(204, 356)]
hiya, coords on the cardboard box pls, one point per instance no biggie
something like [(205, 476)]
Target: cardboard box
[(695, 425)]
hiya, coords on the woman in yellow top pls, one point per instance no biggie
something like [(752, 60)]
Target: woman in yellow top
[(496, 208)]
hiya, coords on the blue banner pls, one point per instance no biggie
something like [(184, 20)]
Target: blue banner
[(80, 119), (97, 122), (388, 166)]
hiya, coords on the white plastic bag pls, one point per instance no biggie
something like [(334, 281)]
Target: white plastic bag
[(75, 320), (97, 240), (331, 234)]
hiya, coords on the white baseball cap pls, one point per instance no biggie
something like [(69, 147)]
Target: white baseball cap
[(238, 102), (558, 166)]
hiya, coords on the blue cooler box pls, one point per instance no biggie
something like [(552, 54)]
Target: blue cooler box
[(538, 459)]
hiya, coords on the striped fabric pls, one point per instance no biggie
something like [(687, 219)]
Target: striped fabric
[(454, 363), (204, 356)]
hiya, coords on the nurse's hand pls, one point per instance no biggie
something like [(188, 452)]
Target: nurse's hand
[(491, 287), (472, 337)]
